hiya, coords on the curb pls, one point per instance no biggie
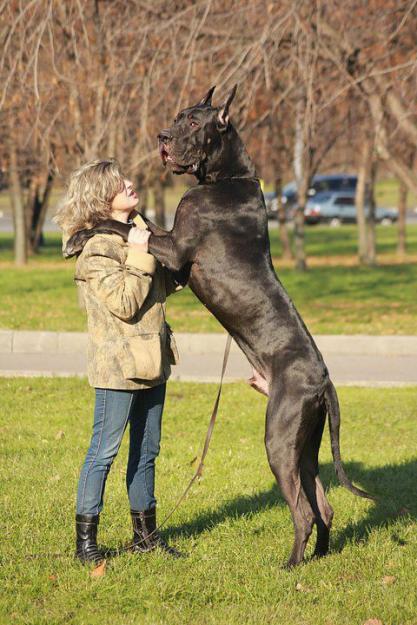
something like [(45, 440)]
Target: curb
[(34, 342), (201, 379)]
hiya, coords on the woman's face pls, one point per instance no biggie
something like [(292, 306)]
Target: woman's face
[(127, 199)]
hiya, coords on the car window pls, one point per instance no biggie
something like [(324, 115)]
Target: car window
[(345, 200), (322, 197), (322, 185), (341, 183)]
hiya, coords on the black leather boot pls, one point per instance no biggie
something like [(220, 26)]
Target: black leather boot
[(145, 538), (86, 528)]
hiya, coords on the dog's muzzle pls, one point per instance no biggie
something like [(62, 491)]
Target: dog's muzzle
[(164, 139)]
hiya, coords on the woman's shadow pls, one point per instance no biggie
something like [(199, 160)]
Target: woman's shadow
[(393, 485)]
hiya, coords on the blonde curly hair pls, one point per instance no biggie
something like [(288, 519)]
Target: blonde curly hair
[(90, 192)]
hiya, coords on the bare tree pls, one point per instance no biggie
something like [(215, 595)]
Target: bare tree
[(88, 79)]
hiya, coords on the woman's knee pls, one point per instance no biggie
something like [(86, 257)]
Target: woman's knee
[(103, 454), (153, 446)]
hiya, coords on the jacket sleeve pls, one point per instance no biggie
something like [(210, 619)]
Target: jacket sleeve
[(122, 287)]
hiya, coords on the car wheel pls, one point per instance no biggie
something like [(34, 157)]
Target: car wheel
[(386, 221), (335, 222)]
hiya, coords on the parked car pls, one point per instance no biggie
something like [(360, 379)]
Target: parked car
[(338, 208), (319, 184), (271, 204)]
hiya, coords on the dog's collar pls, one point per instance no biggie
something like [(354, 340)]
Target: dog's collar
[(211, 181)]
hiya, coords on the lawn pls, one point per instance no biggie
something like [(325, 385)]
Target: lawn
[(234, 524), (334, 296)]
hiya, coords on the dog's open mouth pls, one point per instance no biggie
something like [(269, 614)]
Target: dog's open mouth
[(177, 168), (164, 154)]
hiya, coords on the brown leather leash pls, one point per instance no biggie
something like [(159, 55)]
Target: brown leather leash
[(210, 429), (197, 474)]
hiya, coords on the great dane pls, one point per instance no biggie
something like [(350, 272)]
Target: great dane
[(220, 238)]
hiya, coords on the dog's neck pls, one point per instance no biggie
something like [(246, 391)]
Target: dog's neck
[(232, 162)]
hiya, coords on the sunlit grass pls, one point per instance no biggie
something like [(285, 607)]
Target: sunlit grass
[(234, 525)]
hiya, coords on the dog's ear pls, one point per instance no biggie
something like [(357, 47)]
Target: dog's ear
[(223, 115), (207, 97)]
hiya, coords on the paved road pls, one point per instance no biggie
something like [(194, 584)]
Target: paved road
[(366, 361)]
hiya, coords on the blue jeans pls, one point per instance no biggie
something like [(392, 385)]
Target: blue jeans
[(113, 409)]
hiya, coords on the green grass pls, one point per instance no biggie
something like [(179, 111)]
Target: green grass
[(323, 242), (333, 297), (234, 524), (386, 194)]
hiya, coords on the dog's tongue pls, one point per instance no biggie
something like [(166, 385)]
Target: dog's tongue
[(164, 156)]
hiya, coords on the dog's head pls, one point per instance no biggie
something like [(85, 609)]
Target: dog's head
[(196, 135)]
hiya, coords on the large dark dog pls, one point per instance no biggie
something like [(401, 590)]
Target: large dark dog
[(220, 235)]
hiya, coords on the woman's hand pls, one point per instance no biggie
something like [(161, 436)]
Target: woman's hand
[(138, 239)]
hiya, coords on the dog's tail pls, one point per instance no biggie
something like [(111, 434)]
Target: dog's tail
[(333, 411)]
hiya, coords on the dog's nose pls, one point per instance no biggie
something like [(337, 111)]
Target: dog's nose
[(164, 136)]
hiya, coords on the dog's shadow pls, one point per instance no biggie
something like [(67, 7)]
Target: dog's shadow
[(393, 485)]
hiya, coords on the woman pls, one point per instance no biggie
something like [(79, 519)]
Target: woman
[(130, 350)]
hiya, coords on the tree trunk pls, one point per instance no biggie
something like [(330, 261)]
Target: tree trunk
[(282, 220), (300, 258), (360, 199), (39, 212), (402, 212), (30, 204), (276, 160), (302, 179), (144, 194), (403, 172), (15, 190), (371, 218), (159, 201)]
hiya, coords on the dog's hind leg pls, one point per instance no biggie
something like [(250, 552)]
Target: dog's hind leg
[(286, 433), (313, 488)]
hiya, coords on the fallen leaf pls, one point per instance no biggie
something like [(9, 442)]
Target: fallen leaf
[(52, 578), (400, 541), (387, 580), (100, 570), (59, 435), (373, 621), (300, 588)]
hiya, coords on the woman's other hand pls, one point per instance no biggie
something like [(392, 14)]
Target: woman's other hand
[(138, 239)]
